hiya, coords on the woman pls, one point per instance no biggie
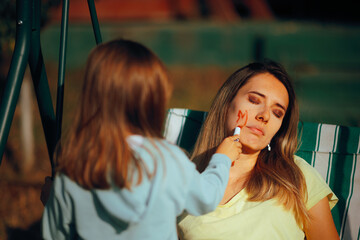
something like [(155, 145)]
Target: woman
[(271, 194)]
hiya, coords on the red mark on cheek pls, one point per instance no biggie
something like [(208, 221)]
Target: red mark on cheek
[(242, 118)]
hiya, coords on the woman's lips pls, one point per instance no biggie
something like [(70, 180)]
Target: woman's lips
[(256, 130)]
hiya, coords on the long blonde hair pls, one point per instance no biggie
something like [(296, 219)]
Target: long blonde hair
[(126, 89), (275, 174)]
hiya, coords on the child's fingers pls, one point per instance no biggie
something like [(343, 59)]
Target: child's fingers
[(239, 148), (234, 138), (238, 145), (230, 147)]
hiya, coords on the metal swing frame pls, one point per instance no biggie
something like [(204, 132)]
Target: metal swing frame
[(28, 51)]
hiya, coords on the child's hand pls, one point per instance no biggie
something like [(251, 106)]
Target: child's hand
[(231, 147)]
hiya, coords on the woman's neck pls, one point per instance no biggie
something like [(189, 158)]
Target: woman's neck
[(239, 174), (245, 163)]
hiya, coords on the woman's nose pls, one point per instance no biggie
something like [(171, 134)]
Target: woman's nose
[(263, 115)]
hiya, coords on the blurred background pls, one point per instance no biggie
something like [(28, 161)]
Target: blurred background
[(202, 42)]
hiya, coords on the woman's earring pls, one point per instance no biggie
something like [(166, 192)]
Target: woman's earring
[(269, 147)]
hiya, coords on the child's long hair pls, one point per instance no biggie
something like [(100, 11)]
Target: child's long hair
[(275, 174), (126, 90)]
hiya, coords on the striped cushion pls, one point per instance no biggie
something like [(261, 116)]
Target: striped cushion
[(333, 150)]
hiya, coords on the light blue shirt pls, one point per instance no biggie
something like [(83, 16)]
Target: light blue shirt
[(148, 210)]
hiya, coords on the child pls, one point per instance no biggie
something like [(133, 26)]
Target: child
[(116, 176)]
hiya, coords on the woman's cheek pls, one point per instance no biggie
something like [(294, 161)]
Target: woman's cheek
[(230, 124)]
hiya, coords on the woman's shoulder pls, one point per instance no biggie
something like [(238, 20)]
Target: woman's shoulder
[(307, 170), (302, 163), (317, 187)]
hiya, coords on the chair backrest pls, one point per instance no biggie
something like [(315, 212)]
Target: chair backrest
[(333, 150)]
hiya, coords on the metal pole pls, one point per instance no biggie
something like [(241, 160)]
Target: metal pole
[(17, 69), (41, 86), (62, 64), (95, 22)]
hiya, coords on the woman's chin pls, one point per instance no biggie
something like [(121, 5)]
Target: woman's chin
[(248, 149)]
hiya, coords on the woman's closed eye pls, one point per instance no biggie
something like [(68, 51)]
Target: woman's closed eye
[(256, 98), (278, 113), (253, 99)]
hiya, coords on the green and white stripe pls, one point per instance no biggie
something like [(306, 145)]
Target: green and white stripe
[(342, 172), (326, 142), (351, 218), (326, 139), (174, 125)]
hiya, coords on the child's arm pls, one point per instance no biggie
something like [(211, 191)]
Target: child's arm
[(207, 189)]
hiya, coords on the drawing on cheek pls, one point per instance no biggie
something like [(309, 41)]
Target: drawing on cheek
[(241, 121)]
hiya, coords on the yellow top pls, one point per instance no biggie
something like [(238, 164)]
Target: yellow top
[(241, 219)]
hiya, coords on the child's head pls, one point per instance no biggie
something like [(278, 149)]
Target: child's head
[(126, 84), (126, 90)]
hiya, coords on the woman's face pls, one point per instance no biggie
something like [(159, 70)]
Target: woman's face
[(266, 100)]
